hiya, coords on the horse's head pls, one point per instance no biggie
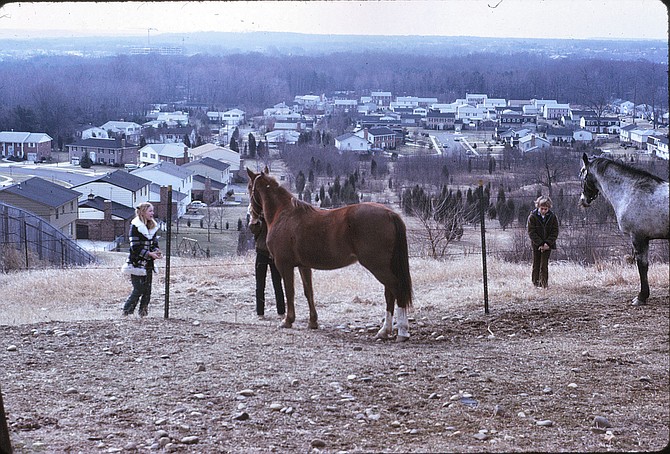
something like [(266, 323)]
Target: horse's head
[(589, 183), (255, 202)]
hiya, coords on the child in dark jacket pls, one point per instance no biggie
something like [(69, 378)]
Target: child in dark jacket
[(543, 232)]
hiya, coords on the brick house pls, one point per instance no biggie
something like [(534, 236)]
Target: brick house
[(101, 219), (114, 152), (33, 146)]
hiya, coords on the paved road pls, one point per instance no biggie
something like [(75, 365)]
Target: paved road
[(12, 172)]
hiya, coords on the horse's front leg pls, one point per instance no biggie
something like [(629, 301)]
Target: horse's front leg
[(642, 258), (306, 275), (287, 275)]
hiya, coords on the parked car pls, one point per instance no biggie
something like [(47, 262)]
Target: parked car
[(197, 204)]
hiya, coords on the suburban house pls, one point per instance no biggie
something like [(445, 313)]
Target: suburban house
[(163, 134), (177, 153), (624, 133), (223, 154), (555, 111), (381, 98), (582, 135), (512, 136), (166, 173), (208, 190), (345, 105), (351, 142), (114, 152), (381, 138), (638, 137), (52, 202), (210, 168), (440, 120), (600, 124), (660, 146), (232, 117), (88, 131), (32, 146), (559, 136), (276, 138), (531, 142), (132, 131), (101, 219), (119, 186)]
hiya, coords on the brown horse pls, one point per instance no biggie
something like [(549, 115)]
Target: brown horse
[(302, 236)]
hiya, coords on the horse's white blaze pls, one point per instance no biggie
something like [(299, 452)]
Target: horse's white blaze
[(402, 322)]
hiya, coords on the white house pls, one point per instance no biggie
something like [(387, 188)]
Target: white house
[(638, 137), (233, 117), (276, 138), (132, 130), (662, 148), (223, 154), (119, 186), (209, 168), (555, 111), (169, 174), (352, 142), (94, 131), (531, 142), (176, 153), (582, 135)]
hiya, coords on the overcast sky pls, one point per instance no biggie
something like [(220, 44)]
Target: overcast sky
[(616, 19)]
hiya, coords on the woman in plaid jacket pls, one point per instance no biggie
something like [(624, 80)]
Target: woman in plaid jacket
[(143, 251)]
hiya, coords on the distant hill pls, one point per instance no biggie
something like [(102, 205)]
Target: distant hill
[(273, 43)]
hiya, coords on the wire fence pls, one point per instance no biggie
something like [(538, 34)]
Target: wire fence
[(28, 241)]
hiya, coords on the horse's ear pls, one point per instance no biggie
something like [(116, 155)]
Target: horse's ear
[(251, 174), (266, 171), (585, 158)]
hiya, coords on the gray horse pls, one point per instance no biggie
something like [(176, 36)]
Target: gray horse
[(641, 204)]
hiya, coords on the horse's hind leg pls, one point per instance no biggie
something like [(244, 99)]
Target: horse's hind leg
[(642, 258), (386, 330), (306, 275)]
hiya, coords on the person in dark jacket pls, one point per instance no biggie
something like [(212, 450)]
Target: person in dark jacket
[(259, 228), (143, 251), (543, 232)]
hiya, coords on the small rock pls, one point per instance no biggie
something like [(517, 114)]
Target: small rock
[(198, 396), (646, 379), (547, 390), (200, 368), (196, 323), (241, 416), (601, 422), (521, 414), (160, 434), (11, 348), (498, 410), (275, 406), (131, 446), (358, 348), (481, 436), (246, 392), (316, 443), (190, 440), (545, 423), (573, 385), (71, 391)]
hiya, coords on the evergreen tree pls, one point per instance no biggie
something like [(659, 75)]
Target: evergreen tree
[(85, 162), (252, 145)]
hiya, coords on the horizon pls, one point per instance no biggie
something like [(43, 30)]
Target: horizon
[(495, 19)]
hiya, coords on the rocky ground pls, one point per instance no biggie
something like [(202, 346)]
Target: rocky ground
[(563, 372)]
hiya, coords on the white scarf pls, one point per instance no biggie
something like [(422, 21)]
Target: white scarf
[(149, 234)]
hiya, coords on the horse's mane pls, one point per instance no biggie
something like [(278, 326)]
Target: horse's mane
[(602, 164), (285, 193)]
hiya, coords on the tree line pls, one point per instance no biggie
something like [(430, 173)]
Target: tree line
[(55, 94)]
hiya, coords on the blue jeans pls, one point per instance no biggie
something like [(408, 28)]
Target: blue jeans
[(141, 292)]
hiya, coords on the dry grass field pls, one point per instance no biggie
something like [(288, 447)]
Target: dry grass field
[(530, 376)]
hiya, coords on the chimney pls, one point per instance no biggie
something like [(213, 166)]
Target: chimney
[(185, 154), (365, 133), (91, 196), (108, 210)]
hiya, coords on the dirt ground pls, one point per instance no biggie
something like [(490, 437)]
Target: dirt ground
[(530, 376)]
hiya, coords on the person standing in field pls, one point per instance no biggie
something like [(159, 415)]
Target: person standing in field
[(543, 232), (143, 251), (263, 260)]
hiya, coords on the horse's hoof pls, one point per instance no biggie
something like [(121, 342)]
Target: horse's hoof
[(402, 339), (313, 325), (639, 302), (382, 336), (285, 324)]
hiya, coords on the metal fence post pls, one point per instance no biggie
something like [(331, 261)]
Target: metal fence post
[(485, 274), (168, 248), (5, 445)]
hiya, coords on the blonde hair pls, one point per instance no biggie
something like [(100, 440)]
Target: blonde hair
[(140, 212), (543, 201)]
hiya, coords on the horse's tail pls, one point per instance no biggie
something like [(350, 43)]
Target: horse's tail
[(400, 264)]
